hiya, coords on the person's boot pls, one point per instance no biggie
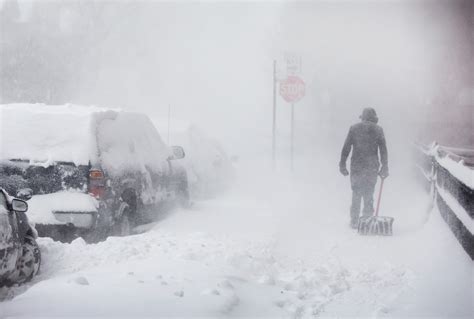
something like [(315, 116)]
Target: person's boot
[(354, 223)]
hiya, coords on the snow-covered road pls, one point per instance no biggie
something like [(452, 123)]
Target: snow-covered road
[(283, 250)]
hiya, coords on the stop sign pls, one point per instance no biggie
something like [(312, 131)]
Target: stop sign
[(292, 89)]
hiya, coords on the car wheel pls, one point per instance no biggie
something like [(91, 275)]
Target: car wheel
[(183, 194), (28, 264), (122, 225)]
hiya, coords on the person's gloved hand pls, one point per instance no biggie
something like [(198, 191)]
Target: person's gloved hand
[(383, 173), (343, 170)]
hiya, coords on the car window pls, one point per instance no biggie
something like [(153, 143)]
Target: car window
[(3, 201)]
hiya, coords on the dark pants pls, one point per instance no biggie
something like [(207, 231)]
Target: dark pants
[(363, 185)]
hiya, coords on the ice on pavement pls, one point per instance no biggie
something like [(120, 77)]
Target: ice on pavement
[(287, 252)]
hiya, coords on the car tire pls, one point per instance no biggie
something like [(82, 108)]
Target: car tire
[(122, 226), (29, 263), (183, 193)]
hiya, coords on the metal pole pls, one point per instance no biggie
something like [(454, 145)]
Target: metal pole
[(274, 115), (169, 117), (292, 132)]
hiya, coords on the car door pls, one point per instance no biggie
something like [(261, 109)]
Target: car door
[(9, 243)]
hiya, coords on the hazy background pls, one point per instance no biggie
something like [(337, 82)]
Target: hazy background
[(212, 63)]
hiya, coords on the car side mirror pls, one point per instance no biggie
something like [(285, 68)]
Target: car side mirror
[(19, 205), (178, 153)]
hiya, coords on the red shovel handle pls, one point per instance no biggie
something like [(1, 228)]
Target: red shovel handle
[(380, 196)]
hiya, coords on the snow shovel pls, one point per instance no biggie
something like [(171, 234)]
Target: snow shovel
[(376, 225)]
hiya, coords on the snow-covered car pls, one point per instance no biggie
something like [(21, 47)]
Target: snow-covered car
[(20, 256), (92, 172), (210, 169)]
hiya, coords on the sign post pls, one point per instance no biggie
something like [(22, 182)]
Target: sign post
[(292, 89), (292, 133), (274, 115)]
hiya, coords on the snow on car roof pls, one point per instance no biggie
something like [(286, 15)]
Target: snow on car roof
[(47, 133)]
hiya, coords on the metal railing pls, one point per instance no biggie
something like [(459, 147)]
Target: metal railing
[(453, 195)]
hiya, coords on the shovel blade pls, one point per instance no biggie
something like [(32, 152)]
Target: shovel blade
[(376, 225)]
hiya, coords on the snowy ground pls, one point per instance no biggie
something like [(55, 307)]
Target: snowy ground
[(283, 250)]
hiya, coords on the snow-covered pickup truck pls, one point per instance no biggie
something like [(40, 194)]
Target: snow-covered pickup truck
[(90, 172), (20, 256)]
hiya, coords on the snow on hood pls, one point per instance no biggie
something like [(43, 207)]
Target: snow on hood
[(44, 134)]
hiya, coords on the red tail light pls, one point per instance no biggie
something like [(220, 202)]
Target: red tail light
[(96, 183), (96, 174)]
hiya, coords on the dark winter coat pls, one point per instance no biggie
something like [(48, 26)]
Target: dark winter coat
[(366, 139)]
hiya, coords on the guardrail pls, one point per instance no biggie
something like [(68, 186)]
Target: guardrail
[(448, 173)]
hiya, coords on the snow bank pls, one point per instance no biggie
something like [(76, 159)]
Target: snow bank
[(281, 251), (198, 274), (41, 208), (48, 133)]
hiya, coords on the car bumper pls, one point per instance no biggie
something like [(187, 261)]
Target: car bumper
[(78, 219)]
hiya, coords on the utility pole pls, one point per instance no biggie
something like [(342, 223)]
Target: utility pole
[(292, 133), (169, 119), (274, 116)]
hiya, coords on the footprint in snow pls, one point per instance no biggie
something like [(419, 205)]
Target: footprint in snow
[(267, 280), (81, 281), (179, 293), (226, 284), (214, 292)]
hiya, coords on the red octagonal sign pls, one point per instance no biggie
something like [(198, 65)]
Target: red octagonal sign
[(292, 89)]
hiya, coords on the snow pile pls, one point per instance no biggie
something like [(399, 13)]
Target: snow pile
[(273, 249), (131, 142), (48, 133), (175, 275), (42, 208), (44, 134)]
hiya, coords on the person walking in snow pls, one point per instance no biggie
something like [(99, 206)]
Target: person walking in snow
[(366, 139)]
